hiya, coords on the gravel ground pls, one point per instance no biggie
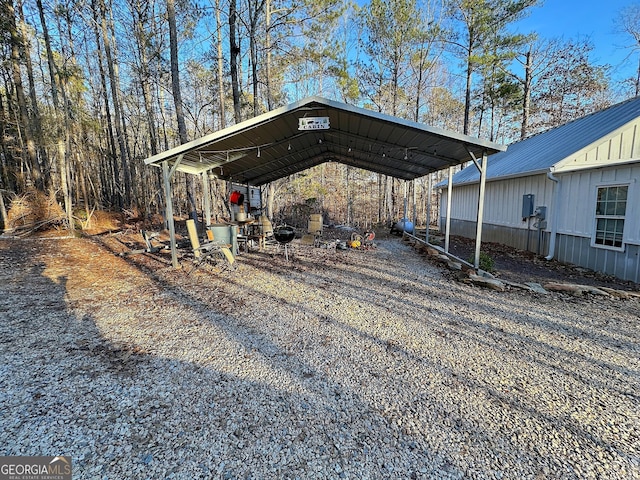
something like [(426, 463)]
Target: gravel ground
[(359, 364)]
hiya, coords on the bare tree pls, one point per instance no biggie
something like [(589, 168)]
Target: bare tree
[(628, 23), (220, 64), (570, 87), (234, 53), (17, 53)]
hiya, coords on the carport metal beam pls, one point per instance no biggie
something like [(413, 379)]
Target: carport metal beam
[(168, 199), (482, 168)]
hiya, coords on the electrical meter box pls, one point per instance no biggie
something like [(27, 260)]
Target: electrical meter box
[(541, 213), (527, 205)]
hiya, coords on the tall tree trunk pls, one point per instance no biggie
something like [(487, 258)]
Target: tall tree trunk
[(638, 79), (126, 164), (112, 170), (233, 61), (255, 10), (221, 95), (526, 103), (4, 221), (142, 13), (50, 61), (467, 93), (17, 52), (177, 98), (151, 124), (271, 196), (5, 155), (125, 189), (175, 71), (267, 47), (36, 122)]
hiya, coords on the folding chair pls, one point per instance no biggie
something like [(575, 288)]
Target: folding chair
[(148, 238), (210, 250)]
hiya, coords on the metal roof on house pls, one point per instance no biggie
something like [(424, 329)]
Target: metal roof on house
[(540, 152), (273, 145)]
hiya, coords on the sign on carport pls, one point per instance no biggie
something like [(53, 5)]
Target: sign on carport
[(313, 123)]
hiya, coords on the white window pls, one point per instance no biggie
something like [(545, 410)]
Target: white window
[(611, 208)]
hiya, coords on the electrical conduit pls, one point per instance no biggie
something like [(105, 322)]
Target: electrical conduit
[(554, 216)]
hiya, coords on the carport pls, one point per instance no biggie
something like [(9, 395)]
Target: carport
[(313, 131)]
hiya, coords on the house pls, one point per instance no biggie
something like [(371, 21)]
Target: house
[(571, 193)]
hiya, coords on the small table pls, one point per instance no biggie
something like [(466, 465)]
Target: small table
[(256, 232), (243, 232)]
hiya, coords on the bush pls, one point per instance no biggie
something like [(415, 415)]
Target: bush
[(486, 263)]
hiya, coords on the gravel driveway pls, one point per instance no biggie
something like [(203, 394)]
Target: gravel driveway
[(357, 365)]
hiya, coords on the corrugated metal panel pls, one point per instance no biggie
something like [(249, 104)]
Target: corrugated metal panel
[(540, 152), (503, 200), (271, 146), (577, 250), (621, 147), (578, 200), (514, 237)]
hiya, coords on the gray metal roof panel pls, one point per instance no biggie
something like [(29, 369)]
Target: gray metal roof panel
[(270, 146), (542, 151)]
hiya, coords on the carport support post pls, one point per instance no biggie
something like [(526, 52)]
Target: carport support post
[(483, 178), (169, 213), (207, 199), (404, 208), (428, 219), (448, 219), (413, 203)]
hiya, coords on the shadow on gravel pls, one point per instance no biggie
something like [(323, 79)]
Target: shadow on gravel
[(557, 370), (513, 347), (128, 411)]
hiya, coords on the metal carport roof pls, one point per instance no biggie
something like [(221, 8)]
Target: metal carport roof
[(271, 146), (274, 145)]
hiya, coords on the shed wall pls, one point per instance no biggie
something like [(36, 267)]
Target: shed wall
[(576, 217), (578, 251), (503, 200), (578, 200)]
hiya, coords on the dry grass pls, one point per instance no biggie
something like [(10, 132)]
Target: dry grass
[(37, 212), (32, 211), (99, 221)]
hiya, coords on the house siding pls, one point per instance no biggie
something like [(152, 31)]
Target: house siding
[(575, 222), (578, 200), (623, 144), (578, 251), (519, 238), (503, 200)]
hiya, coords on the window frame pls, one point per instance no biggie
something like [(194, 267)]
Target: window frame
[(597, 216)]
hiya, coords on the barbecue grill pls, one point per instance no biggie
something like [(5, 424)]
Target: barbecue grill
[(284, 235)]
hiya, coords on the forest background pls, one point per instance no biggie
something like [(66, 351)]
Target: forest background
[(90, 88)]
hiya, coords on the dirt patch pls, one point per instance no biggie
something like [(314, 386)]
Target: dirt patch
[(519, 266)]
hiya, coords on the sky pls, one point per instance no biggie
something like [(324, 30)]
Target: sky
[(578, 19)]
